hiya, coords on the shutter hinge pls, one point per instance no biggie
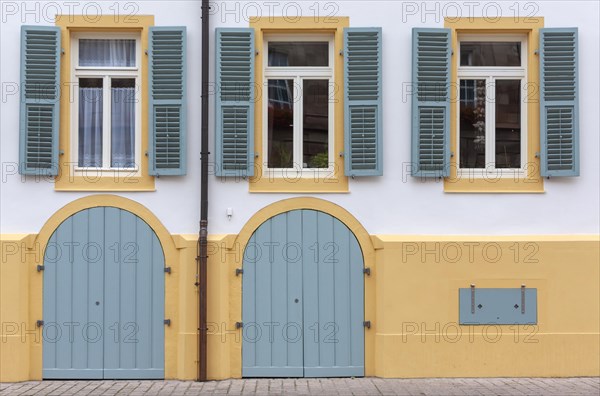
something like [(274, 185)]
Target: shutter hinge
[(167, 322), (239, 271), (537, 154), (257, 52), (39, 323), (168, 270), (342, 52), (62, 51), (451, 52), (146, 52), (341, 154), (452, 154), (367, 324), (536, 52), (61, 152), (256, 155), (40, 268), (239, 325), (367, 271)]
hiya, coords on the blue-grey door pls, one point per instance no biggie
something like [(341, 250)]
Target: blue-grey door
[(103, 297), (303, 298)]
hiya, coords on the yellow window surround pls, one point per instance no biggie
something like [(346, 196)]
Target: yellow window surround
[(335, 182), (531, 181), (111, 180)]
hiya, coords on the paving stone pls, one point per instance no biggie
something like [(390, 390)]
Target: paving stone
[(312, 386)]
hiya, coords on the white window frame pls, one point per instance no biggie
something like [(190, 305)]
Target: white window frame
[(490, 75), (298, 74), (106, 74)]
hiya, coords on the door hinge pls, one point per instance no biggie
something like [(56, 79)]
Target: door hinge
[(239, 325), (39, 323), (167, 322), (168, 270), (367, 324), (239, 271), (367, 271), (40, 268)]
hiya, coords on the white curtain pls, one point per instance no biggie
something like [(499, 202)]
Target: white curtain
[(106, 53), (90, 127), (123, 128)]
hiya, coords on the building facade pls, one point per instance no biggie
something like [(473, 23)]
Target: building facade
[(392, 189)]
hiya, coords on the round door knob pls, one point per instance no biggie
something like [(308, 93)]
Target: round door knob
[(296, 300), (97, 302)]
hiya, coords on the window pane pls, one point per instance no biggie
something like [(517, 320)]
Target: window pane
[(490, 53), (106, 53), (472, 123), (298, 54), (508, 123), (123, 123), (315, 123), (281, 124), (90, 122)]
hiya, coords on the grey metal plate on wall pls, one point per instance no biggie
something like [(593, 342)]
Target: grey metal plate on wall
[(508, 306)]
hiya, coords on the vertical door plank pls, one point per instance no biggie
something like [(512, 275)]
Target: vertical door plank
[(292, 329), (310, 269), (357, 303), (263, 297), (279, 291), (95, 283), (250, 331), (64, 287), (157, 290), (113, 333), (143, 295), (342, 295)]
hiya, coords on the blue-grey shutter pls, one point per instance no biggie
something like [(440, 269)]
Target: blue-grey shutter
[(40, 96), (167, 75), (234, 102), (430, 102), (363, 155), (559, 104)]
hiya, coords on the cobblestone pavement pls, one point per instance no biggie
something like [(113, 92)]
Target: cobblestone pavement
[(321, 387)]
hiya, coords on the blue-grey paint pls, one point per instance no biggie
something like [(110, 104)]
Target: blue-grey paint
[(234, 102), (363, 109), (480, 306), (40, 97), (167, 146), (559, 102), (103, 304), (303, 298), (431, 55)]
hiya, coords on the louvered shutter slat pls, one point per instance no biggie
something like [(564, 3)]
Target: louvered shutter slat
[(559, 136), (235, 105), (430, 102), (166, 59), (363, 102), (40, 95)]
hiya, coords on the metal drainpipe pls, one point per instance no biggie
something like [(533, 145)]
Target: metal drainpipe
[(202, 258)]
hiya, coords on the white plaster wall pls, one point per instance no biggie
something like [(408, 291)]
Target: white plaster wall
[(392, 204)]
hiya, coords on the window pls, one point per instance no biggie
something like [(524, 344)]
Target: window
[(119, 119), (283, 119), (105, 123), (492, 112), (298, 73)]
